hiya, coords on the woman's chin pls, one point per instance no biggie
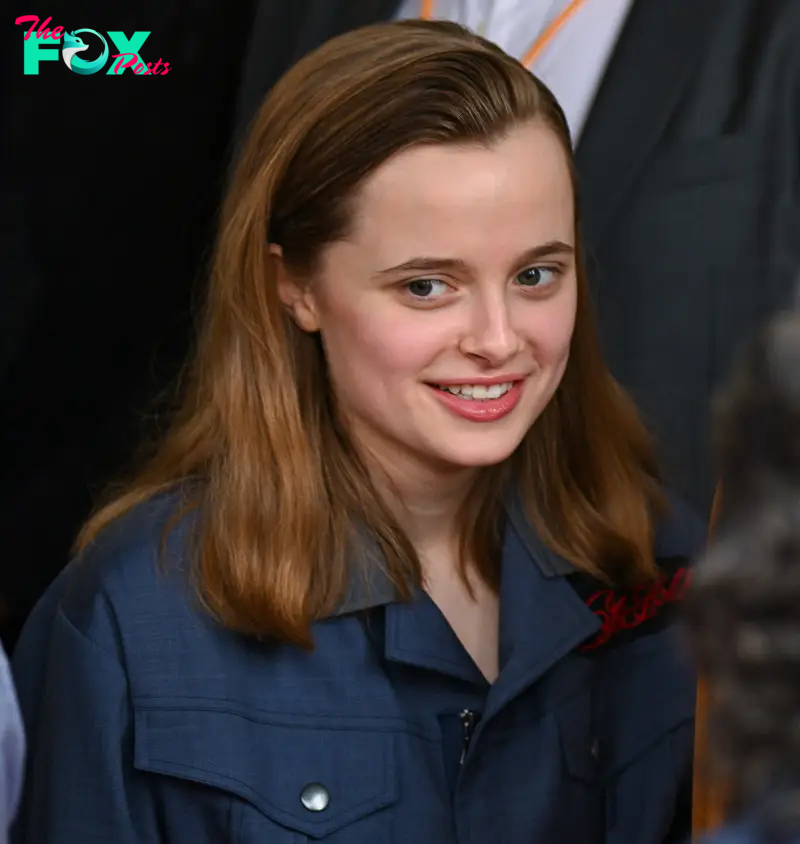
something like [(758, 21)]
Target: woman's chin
[(478, 454)]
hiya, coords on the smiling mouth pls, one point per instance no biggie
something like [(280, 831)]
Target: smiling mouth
[(476, 392)]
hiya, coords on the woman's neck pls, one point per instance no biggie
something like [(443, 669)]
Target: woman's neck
[(425, 502)]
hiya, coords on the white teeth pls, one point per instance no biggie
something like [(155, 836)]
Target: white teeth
[(478, 392)]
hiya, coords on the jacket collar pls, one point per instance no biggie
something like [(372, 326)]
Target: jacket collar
[(370, 585), (681, 534)]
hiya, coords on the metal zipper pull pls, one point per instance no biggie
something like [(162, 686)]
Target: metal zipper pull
[(468, 719)]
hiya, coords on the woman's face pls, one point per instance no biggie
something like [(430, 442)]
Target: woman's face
[(446, 316)]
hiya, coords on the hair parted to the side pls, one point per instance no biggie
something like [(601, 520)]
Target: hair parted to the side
[(742, 608), (278, 484)]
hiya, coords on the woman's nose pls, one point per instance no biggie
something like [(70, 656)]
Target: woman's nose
[(491, 335)]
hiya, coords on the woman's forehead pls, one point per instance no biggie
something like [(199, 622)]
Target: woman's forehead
[(518, 189)]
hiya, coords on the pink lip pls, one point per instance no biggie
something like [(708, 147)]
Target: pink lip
[(481, 410)]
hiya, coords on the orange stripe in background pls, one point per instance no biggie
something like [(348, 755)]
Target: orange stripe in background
[(709, 797), (426, 13)]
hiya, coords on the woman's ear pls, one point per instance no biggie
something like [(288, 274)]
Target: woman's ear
[(296, 296)]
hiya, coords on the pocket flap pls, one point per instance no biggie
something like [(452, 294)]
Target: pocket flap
[(579, 741), (664, 693), (311, 779)]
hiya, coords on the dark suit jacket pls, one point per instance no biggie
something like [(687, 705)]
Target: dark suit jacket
[(690, 189)]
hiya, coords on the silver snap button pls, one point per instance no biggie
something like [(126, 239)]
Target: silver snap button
[(315, 797)]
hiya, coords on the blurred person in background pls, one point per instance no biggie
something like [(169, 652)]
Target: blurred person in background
[(378, 582), (742, 610)]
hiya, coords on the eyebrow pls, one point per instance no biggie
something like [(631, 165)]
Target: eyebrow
[(425, 263)]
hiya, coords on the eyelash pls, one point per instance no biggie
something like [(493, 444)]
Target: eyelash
[(557, 271)]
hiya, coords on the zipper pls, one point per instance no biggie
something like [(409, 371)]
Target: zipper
[(468, 721)]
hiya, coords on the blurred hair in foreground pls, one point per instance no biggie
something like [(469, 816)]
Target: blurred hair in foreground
[(742, 611)]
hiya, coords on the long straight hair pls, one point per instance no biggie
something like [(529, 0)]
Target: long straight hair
[(276, 482)]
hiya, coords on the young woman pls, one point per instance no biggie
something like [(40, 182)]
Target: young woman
[(401, 571), (742, 611)]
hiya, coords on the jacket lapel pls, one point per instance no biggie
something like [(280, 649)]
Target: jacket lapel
[(651, 67)]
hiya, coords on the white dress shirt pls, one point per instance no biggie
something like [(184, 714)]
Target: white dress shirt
[(571, 65)]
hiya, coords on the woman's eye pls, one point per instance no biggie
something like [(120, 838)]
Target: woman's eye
[(537, 276), (426, 288)]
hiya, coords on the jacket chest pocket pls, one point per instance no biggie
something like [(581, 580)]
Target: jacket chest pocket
[(648, 740), (626, 744), (581, 795), (289, 783)]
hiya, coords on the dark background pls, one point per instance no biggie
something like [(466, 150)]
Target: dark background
[(111, 186)]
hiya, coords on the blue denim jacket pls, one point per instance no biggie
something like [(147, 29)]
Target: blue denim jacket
[(148, 722)]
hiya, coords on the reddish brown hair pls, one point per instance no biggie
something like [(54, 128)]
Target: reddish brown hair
[(279, 484)]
